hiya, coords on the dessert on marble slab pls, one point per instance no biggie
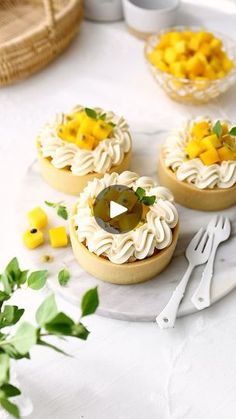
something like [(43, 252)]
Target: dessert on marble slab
[(198, 164), (82, 145), (136, 255)]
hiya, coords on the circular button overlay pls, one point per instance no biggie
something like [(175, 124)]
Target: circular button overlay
[(117, 209)]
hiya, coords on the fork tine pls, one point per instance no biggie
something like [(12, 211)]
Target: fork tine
[(221, 222), (213, 222), (196, 239), (227, 225), (209, 244), (203, 243)]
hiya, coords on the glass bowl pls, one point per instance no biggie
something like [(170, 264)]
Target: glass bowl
[(192, 91)]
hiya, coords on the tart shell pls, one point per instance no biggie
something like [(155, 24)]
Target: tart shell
[(126, 273), (65, 181), (192, 197)]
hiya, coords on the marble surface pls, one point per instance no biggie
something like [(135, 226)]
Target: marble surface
[(140, 302), (125, 370)]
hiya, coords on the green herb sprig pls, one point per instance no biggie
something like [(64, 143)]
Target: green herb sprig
[(146, 200), (91, 113), (60, 208), (49, 322), (218, 130)]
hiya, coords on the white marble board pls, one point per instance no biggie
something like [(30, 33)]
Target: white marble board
[(141, 302)]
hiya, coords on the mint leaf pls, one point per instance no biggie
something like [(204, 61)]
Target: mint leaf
[(217, 129), (62, 212), (233, 131), (140, 192), (80, 331), (61, 324), (46, 311), (112, 124), (51, 204), (13, 269), (103, 116), (149, 200), (10, 408), (4, 296), (4, 368), (63, 277), (10, 315), (91, 113), (90, 302), (37, 279), (10, 391), (25, 338)]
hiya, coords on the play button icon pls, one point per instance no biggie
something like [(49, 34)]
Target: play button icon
[(117, 209)]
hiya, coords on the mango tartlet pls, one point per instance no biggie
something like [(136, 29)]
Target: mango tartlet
[(132, 257), (82, 145), (198, 164)]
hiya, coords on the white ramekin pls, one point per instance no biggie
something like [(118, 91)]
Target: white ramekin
[(103, 10), (145, 17)]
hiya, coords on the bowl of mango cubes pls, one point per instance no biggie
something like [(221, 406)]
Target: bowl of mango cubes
[(192, 65)]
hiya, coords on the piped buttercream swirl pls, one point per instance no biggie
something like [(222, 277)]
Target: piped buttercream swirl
[(154, 234), (194, 171), (107, 154)]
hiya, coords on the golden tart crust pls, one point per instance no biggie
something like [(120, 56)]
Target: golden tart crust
[(192, 197)]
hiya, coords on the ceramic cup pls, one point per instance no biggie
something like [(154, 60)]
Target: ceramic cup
[(145, 17), (103, 10)]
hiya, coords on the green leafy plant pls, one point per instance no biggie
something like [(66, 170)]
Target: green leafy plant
[(60, 207), (17, 343), (146, 200)]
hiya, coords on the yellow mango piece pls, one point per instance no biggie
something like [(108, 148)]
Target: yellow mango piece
[(33, 238), (209, 73), (178, 69), (226, 154), (164, 40), (215, 64), (227, 64), (210, 157), (211, 141), (194, 149), (225, 128), (87, 125), (194, 42), (163, 66), (175, 37), (200, 129), (146, 210), (37, 218), (102, 130), (80, 116), (170, 55), (58, 237), (85, 141), (127, 199), (195, 66), (216, 44), (181, 47), (63, 132), (205, 49), (102, 210)]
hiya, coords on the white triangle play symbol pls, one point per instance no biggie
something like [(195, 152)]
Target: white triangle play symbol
[(116, 209)]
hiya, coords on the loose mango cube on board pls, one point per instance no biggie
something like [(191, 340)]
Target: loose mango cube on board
[(210, 157), (226, 154), (211, 141), (58, 237), (37, 218), (33, 238)]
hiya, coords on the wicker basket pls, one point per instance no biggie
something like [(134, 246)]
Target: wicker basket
[(33, 33)]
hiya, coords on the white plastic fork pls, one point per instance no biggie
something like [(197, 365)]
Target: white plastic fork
[(197, 253), (220, 228)]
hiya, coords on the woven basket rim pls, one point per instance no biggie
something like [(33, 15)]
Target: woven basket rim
[(41, 27)]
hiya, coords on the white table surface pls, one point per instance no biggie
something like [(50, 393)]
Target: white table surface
[(125, 370)]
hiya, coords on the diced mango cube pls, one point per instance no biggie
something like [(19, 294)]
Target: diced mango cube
[(216, 44), (194, 43), (195, 66), (227, 64), (210, 157), (200, 129), (205, 49), (37, 218), (194, 149), (175, 37), (33, 238), (87, 125), (211, 141), (226, 154), (146, 209), (178, 69), (170, 55), (225, 128), (58, 237), (85, 141), (102, 210), (102, 130), (155, 56), (127, 199), (180, 47), (80, 116)]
